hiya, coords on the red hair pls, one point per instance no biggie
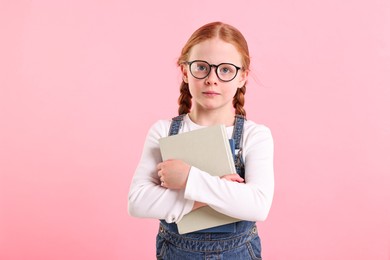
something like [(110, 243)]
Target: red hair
[(228, 34)]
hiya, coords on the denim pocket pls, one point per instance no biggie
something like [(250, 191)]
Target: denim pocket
[(161, 247), (254, 248)]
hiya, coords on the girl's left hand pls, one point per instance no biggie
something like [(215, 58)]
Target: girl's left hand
[(173, 174), (233, 177)]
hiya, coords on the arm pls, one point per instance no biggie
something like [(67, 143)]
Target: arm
[(250, 200), (229, 177), (146, 196)]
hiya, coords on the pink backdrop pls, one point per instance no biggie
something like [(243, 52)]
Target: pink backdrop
[(82, 81)]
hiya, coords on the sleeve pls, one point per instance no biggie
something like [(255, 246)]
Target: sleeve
[(146, 198), (247, 201)]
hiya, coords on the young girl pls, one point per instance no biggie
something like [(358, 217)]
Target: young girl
[(215, 66)]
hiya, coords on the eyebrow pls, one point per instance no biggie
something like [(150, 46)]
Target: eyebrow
[(214, 64)]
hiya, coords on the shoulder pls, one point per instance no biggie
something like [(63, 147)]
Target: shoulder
[(257, 136), (251, 128), (160, 128)]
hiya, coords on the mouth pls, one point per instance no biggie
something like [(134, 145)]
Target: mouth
[(210, 93)]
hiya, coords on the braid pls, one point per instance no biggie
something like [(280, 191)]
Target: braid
[(184, 100), (239, 101)]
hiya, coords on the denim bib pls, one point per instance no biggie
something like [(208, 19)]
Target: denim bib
[(235, 145)]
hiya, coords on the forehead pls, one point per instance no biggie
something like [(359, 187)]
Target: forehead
[(215, 51)]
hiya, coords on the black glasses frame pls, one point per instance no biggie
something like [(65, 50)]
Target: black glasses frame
[(216, 69)]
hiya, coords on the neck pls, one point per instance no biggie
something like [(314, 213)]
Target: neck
[(210, 118)]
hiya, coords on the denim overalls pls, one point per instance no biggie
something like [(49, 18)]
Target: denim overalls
[(213, 243)]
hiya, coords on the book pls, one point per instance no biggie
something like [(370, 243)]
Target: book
[(207, 149)]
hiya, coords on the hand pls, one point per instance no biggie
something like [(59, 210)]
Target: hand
[(173, 174), (233, 177), (198, 205)]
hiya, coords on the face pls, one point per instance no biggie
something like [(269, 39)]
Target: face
[(211, 93)]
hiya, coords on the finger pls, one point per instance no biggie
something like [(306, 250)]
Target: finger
[(232, 177), (236, 177), (159, 166)]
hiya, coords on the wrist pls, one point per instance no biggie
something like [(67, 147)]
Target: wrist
[(187, 174)]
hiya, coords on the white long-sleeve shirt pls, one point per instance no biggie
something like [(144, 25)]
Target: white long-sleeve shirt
[(247, 201)]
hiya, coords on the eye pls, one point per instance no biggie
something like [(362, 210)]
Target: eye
[(226, 69), (201, 67)]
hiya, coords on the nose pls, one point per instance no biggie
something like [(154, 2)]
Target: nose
[(212, 78)]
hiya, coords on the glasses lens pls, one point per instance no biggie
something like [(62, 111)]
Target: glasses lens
[(199, 69), (226, 72)]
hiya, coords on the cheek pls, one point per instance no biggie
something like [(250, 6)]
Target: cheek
[(230, 90), (194, 84), (192, 88)]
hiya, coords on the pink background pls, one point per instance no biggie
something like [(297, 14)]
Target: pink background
[(82, 81)]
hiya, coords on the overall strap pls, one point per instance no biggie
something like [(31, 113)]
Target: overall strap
[(238, 130), (237, 137), (176, 124)]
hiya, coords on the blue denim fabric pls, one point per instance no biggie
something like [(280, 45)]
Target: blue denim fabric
[(237, 136), (176, 124), (243, 244)]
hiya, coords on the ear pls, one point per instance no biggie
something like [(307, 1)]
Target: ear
[(243, 78), (184, 72)]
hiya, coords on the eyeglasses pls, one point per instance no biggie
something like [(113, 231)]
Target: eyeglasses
[(200, 69)]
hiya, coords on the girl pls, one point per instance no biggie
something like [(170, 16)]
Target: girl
[(215, 65)]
